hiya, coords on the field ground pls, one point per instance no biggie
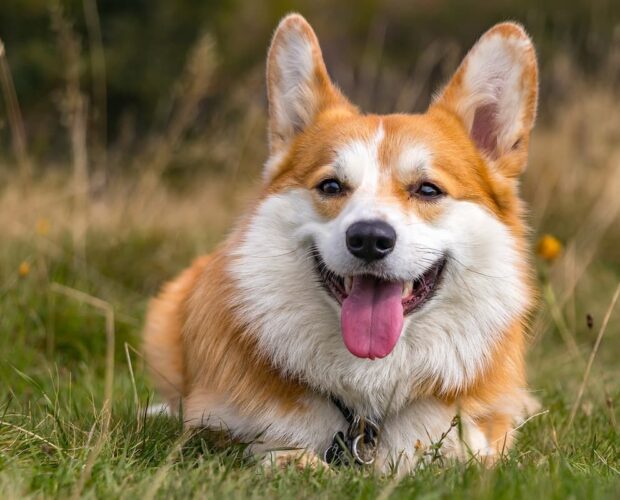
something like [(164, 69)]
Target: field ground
[(65, 271)]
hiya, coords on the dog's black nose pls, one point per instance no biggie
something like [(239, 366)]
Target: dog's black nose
[(371, 239)]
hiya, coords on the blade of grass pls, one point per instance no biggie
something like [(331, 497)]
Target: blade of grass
[(595, 349), (31, 434), (98, 68), (16, 122)]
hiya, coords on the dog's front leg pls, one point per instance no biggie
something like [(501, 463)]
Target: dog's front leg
[(278, 437), (421, 432)]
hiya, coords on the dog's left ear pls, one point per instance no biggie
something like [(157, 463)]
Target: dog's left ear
[(298, 86), (494, 93)]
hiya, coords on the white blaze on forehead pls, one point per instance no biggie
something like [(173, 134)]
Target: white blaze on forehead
[(413, 160), (357, 162)]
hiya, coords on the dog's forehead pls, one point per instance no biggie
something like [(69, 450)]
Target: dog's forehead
[(384, 146)]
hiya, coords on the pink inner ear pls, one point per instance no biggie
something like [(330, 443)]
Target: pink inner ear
[(484, 129)]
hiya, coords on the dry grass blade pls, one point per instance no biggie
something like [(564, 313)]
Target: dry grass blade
[(30, 433), (132, 376), (106, 413), (516, 429), (129, 347), (136, 399), (100, 94), (18, 134), (560, 322), (595, 349)]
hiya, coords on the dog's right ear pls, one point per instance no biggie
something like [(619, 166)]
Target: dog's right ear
[(298, 86), (494, 93)]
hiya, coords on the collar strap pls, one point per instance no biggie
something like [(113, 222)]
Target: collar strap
[(359, 445)]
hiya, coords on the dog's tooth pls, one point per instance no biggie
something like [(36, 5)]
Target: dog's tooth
[(407, 289), (348, 284)]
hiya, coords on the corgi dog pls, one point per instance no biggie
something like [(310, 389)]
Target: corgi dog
[(381, 284)]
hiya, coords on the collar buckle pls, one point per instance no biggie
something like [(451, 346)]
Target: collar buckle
[(358, 446)]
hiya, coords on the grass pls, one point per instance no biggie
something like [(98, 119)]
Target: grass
[(63, 298)]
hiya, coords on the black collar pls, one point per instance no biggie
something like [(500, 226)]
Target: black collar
[(359, 445)]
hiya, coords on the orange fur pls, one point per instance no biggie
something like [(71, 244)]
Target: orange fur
[(163, 344), (196, 348)]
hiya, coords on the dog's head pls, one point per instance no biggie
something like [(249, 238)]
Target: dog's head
[(395, 216)]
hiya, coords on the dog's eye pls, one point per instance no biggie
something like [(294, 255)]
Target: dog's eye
[(330, 187), (427, 191)]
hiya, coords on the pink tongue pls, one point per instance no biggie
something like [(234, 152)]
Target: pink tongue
[(372, 317)]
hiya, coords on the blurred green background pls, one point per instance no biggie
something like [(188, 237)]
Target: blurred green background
[(371, 47), (132, 136)]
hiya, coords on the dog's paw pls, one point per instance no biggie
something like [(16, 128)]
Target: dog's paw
[(300, 459)]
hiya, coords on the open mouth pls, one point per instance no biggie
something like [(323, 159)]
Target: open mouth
[(373, 309), (414, 293)]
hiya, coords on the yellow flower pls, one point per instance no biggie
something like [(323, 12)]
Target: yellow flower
[(24, 269), (549, 247), (43, 226)]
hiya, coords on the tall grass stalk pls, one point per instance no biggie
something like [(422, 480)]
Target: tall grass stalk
[(16, 122), (595, 349), (99, 77), (74, 107)]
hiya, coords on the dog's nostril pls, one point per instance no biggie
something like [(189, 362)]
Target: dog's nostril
[(370, 240), (355, 242), (385, 244)]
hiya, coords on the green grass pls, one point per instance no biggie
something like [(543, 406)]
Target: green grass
[(55, 441)]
